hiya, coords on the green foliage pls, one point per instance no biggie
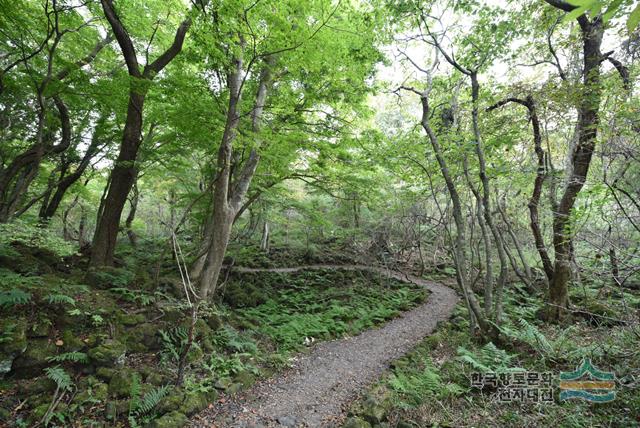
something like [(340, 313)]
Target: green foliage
[(414, 386), (326, 304), (140, 407), (75, 357), (32, 235), (14, 297), (489, 358), (134, 296), (60, 377), (60, 299)]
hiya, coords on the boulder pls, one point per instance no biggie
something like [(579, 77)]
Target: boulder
[(194, 402), (355, 422), (120, 383), (170, 420), (34, 359), (111, 353), (14, 329)]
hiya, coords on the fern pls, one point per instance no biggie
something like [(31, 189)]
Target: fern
[(151, 400), (134, 392), (489, 359), (76, 357), (60, 377), (14, 297), (59, 299)]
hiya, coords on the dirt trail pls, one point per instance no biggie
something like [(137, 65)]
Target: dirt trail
[(319, 386)]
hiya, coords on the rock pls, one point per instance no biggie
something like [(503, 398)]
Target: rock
[(14, 329), (245, 377), (40, 328), (287, 421), (109, 354), (34, 359), (193, 403), (375, 406), (170, 420), (130, 319), (171, 402), (71, 341), (214, 322), (142, 338), (222, 384), (37, 386), (356, 422), (234, 388), (156, 378), (120, 383), (105, 373)]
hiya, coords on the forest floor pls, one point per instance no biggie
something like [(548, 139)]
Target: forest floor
[(318, 388)]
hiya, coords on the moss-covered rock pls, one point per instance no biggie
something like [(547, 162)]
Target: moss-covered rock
[(15, 330), (107, 277), (130, 319), (105, 373), (213, 321), (72, 342), (194, 402), (40, 328), (375, 406), (142, 338), (355, 422), (111, 353), (171, 402), (34, 359), (245, 377), (120, 383), (170, 420), (36, 386), (96, 392), (243, 295), (156, 378)]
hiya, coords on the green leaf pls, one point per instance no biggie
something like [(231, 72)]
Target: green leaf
[(634, 19)]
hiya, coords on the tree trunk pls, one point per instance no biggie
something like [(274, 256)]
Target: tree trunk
[(588, 115), (122, 179)]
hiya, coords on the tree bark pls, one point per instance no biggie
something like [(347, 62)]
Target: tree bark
[(125, 169), (588, 122)]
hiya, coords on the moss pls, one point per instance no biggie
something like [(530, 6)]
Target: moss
[(105, 373), (34, 359), (120, 383), (14, 329), (245, 378), (239, 294), (171, 402), (130, 319), (109, 354), (37, 386), (71, 341), (194, 402), (356, 423), (170, 420), (142, 338)]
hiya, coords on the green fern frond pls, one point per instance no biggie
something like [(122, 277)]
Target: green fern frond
[(60, 377), (60, 299), (14, 297), (151, 400), (76, 357)]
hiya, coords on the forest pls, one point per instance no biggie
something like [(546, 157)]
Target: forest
[(319, 213)]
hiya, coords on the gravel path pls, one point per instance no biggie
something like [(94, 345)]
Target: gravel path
[(317, 389)]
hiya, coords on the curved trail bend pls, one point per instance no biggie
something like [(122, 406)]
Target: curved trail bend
[(316, 389)]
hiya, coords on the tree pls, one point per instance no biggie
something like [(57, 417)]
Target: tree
[(124, 171)]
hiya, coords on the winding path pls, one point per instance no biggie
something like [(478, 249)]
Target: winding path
[(315, 391)]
